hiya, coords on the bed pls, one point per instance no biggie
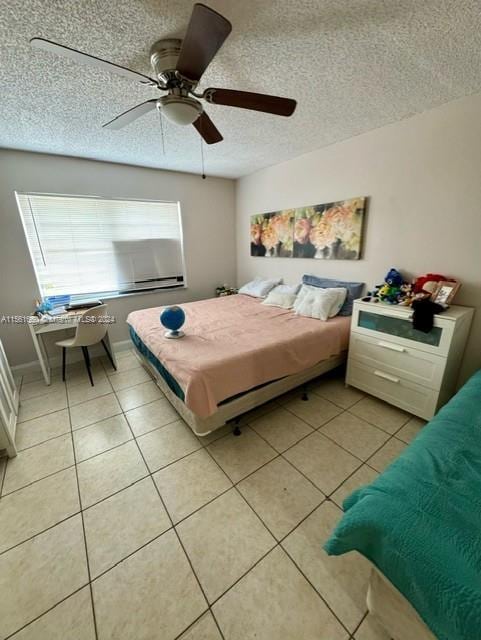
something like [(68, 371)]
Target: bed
[(237, 354), (419, 523)]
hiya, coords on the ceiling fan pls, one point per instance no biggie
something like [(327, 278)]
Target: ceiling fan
[(178, 66)]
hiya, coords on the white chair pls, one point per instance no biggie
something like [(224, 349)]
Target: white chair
[(89, 331)]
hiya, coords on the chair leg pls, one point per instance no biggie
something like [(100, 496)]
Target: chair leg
[(109, 356), (64, 356), (85, 351)]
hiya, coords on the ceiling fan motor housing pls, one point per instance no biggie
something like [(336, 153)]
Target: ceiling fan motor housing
[(163, 58)]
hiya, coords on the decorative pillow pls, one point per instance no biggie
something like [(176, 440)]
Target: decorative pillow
[(259, 287), (288, 288), (354, 290), (283, 299), (337, 298), (316, 302)]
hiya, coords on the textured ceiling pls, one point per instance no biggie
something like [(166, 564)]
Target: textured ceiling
[(353, 65)]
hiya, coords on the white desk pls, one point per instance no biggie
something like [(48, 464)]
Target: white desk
[(68, 320)]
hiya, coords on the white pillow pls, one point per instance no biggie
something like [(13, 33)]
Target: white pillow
[(259, 287), (288, 288), (282, 299), (323, 304)]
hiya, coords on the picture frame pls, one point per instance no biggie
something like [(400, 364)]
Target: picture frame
[(329, 231), (445, 292)]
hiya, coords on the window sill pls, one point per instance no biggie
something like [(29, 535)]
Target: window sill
[(118, 296), (143, 293)]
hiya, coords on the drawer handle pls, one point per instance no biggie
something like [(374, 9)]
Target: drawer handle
[(393, 347), (386, 376)]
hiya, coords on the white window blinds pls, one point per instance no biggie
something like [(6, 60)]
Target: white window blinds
[(88, 245)]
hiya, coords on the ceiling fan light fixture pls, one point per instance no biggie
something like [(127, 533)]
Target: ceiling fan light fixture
[(180, 110)]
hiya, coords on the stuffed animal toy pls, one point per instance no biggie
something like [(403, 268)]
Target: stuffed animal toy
[(394, 278), (407, 294), (391, 290), (395, 290)]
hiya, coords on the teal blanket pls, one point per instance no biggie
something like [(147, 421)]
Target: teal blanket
[(419, 522)]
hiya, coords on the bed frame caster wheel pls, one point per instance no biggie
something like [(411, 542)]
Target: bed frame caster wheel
[(304, 396)]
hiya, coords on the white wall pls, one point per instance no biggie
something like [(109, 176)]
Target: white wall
[(208, 214), (423, 178)]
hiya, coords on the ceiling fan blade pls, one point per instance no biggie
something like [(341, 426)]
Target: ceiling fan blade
[(86, 58), (205, 35), (132, 114), (207, 129), (255, 101)]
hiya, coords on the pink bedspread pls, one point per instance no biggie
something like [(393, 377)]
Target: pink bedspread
[(235, 343)]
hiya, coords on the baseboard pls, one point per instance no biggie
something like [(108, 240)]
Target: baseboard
[(75, 356)]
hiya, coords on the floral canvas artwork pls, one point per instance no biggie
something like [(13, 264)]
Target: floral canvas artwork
[(331, 231), (272, 234)]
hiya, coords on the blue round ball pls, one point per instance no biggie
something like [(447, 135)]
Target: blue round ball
[(172, 318)]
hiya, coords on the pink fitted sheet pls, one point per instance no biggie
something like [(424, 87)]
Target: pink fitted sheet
[(235, 343)]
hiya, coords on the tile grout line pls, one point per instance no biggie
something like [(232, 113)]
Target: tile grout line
[(326, 435), (83, 529), (249, 424), (131, 553), (32, 446), (192, 624), (4, 473), (150, 430), (314, 588), (45, 612), (39, 533), (71, 430), (175, 531), (234, 485), (326, 498), (348, 410), (360, 623), (277, 544), (281, 454), (314, 430), (42, 415), (29, 484), (95, 456)]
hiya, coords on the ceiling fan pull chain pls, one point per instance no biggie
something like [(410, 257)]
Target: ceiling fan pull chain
[(162, 132), (202, 157)]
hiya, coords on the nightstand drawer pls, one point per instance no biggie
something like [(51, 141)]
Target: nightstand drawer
[(379, 321), (402, 393), (398, 360)]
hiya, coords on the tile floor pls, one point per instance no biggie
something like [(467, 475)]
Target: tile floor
[(117, 522)]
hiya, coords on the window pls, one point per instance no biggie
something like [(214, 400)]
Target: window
[(84, 246)]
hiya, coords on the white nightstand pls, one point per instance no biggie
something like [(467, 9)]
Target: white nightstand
[(410, 369)]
